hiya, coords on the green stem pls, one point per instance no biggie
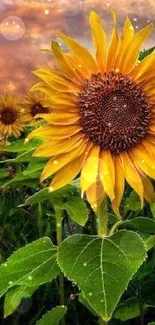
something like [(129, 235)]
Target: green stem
[(102, 216), (59, 240), (102, 322), (115, 226), (40, 219)]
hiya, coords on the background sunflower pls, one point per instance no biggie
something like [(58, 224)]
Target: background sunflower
[(35, 103), (11, 116)]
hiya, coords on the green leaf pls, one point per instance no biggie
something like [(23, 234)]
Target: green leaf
[(4, 173), (85, 303), (53, 317), (77, 210), (14, 297), (132, 202), (20, 145), (142, 224), (146, 53), (24, 157), (22, 179), (33, 264), (102, 267), (152, 207), (44, 195), (127, 310), (153, 323), (34, 166)]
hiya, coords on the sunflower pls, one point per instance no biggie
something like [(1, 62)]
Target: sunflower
[(103, 120), (35, 103), (10, 116)]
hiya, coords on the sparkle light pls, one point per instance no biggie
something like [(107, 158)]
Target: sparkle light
[(46, 11)]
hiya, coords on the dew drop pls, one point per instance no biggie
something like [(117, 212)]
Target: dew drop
[(30, 277), (90, 294), (84, 264)]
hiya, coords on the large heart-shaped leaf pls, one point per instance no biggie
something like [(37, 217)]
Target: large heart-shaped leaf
[(32, 265), (53, 317), (102, 267)]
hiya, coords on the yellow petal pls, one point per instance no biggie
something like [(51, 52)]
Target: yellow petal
[(90, 169), (128, 33), (66, 174), (62, 102), (95, 195), (51, 148), (119, 186), (132, 176), (149, 192), (99, 39), (81, 70), (43, 87), (57, 81), (57, 162), (144, 161), (60, 118), (144, 68), (132, 52), (149, 146), (63, 63), (53, 132), (113, 47), (107, 173), (80, 52)]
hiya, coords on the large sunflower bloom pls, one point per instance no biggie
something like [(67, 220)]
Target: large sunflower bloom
[(10, 116), (103, 121), (35, 103)]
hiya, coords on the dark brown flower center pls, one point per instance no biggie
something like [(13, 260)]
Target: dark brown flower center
[(115, 113), (8, 115), (37, 108)]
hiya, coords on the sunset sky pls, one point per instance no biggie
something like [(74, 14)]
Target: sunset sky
[(26, 26)]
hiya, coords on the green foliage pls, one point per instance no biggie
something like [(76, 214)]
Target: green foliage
[(127, 310), (67, 199), (98, 264), (145, 53), (53, 317), (14, 297), (32, 265), (20, 146)]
